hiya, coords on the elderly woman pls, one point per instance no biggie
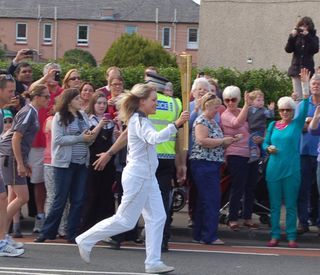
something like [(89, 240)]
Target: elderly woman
[(244, 175), (207, 155), (283, 168)]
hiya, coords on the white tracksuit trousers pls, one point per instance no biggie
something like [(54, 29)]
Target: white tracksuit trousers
[(139, 195)]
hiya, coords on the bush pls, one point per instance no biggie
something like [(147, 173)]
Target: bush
[(133, 50), (272, 82), (78, 57)]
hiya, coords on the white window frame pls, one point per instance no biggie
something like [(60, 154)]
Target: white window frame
[(21, 39), (47, 40), (169, 39), (133, 27), (81, 41), (193, 44)]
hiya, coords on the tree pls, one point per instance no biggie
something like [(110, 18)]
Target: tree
[(133, 50), (79, 57)]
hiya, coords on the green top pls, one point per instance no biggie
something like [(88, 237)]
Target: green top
[(286, 161)]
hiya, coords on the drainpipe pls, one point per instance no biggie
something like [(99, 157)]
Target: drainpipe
[(175, 30), (55, 34), (39, 32), (157, 24)]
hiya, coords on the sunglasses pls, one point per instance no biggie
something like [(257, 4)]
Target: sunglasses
[(287, 110), (7, 76), (116, 84), (233, 100), (46, 96), (75, 78), (7, 120)]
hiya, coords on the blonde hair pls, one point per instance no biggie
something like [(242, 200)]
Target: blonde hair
[(65, 84), (129, 101), (256, 93), (209, 99)]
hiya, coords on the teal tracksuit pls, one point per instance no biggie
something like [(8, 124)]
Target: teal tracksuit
[(283, 172)]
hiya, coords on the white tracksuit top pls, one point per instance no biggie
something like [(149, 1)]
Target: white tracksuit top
[(142, 158)]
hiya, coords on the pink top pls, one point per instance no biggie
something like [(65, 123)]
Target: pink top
[(47, 150), (231, 127)]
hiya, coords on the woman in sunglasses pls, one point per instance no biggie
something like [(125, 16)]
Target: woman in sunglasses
[(244, 175), (71, 79), (283, 168)]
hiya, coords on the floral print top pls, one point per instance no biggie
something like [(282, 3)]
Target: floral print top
[(202, 153)]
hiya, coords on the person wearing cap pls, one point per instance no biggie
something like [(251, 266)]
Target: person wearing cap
[(168, 110), (7, 119)]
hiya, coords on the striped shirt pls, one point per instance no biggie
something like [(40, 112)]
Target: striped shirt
[(79, 150)]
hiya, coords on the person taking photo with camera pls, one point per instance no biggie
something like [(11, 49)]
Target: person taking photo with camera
[(304, 44)]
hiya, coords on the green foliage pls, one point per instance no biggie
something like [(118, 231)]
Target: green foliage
[(272, 82), (78, 57), (133, 50), (2, 53)]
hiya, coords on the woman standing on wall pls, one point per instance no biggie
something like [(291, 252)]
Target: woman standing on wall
[(303, 43)]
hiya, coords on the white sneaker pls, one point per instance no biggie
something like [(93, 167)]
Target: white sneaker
[(13, 243), (9, 251), (84, 254), (38, 224), (159, 269)]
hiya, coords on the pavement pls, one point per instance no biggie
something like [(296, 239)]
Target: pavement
[(181, 233)]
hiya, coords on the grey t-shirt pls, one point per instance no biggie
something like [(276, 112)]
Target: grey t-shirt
[(25, 122)]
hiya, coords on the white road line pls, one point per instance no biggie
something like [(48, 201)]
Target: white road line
[(176, 249), (277, 247), (11, 270), (25, 273)]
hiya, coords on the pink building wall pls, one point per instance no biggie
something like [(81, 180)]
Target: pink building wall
[(101, 36)]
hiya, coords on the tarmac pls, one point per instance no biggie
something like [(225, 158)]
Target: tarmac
[(181, 233)]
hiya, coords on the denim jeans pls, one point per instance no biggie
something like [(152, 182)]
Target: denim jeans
[(207, 179), (69, 183), (244, 178), (308, 174)]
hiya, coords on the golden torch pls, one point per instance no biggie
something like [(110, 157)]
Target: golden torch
[(185, 75)]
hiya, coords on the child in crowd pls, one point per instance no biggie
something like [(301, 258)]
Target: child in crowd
[(257, 116)]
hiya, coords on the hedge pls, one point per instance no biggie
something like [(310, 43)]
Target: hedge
[(272, 82)]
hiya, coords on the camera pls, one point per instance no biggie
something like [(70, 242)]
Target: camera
[(57, 76), (29, 52), (201, 74), (299, 30)]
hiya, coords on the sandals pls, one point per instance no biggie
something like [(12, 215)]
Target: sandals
[(251, 225), (234, 226)]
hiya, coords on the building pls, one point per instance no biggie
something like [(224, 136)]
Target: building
[(53, 27), (247, 34)]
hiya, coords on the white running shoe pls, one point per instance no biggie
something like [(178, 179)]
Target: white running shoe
[(13, 243), (84, 254), (9, 251), (159, 269)]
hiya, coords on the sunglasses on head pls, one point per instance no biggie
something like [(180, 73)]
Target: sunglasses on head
[(233, 100), (287, 110), (7, 76), (74, 78)]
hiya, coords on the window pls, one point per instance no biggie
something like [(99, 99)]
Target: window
[(21, 33), (166, 37), (47, 33), (192, 38), (83, 35), (131, 29)]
